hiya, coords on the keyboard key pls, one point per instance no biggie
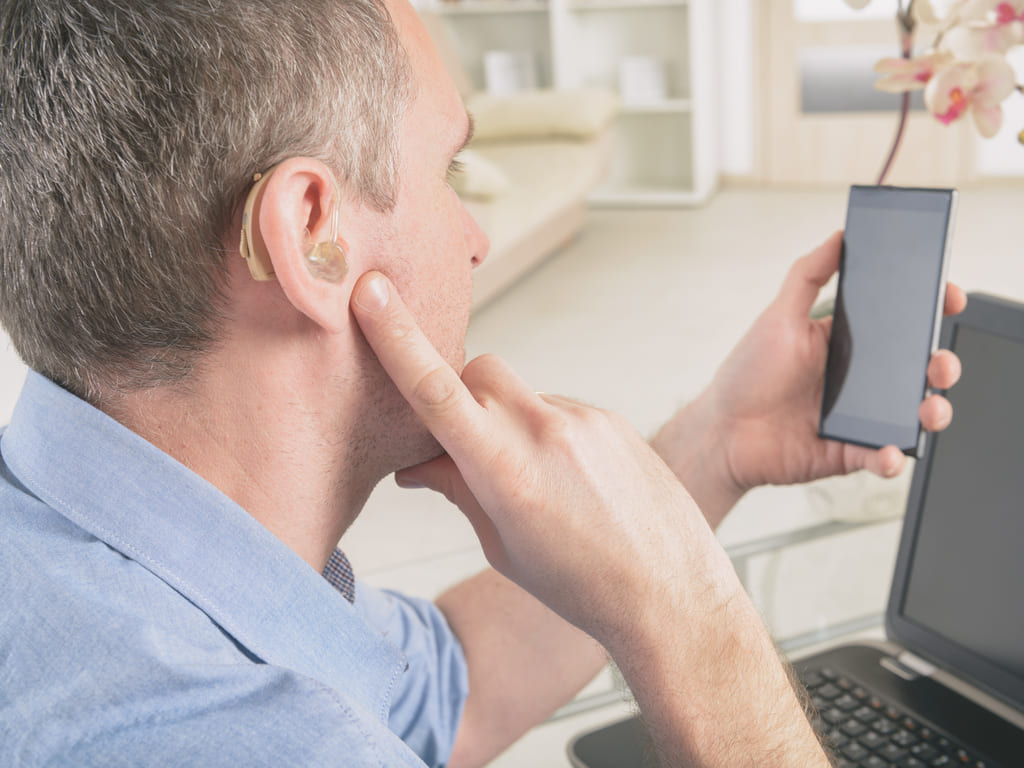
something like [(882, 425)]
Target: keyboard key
[(859, 693), (875, 762), (833, 716), (941, 761), (911, 762), (904, 738), (854, 751), (828, 673), (871, 739), (844, 683), (853, 728), (885, 726), (924, 752), (866, 715), (829, 691), (846, 702), (836, 738), (892, 752)]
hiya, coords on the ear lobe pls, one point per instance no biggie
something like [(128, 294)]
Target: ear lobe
[(296, 218)]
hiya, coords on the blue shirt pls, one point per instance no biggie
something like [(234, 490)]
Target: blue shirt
[(148, 620)]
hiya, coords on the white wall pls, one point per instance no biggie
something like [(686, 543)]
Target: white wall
[(734, 72), (12, 374)]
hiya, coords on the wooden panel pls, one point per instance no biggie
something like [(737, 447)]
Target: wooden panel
[(843, 148)]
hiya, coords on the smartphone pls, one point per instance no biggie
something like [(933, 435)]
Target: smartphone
[(888, 312)]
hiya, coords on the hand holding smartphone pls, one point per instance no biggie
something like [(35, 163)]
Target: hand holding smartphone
[(888, 311)]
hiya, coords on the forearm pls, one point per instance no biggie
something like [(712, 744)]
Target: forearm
[(524, 662), (691, 443), (710, 686)]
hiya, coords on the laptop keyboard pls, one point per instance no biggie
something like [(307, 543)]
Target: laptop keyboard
[(865, 731)]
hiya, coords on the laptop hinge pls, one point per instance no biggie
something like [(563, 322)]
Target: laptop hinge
[(916, 663), (908, 666)]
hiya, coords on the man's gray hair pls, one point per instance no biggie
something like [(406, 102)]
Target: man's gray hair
[(129, 134)]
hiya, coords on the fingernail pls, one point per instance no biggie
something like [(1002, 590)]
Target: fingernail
[(373, 296)]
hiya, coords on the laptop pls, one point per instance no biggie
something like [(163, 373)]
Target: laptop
[(947, 686)]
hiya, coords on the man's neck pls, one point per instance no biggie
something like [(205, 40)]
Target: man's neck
[(276, 450)]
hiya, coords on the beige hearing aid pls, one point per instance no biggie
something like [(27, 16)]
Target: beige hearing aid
[(325, 260)]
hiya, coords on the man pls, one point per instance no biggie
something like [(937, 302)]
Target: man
[(166, 512)]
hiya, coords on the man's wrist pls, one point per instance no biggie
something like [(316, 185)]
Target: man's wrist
[(694, 444)]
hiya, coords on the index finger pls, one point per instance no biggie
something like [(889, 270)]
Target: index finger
[(425, 379)]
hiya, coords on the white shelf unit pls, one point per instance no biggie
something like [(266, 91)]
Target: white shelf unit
[(664, 152)]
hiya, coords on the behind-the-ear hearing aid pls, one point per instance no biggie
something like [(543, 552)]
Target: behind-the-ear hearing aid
[(325, 260)]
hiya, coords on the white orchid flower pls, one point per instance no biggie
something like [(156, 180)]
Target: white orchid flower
[(978, 87)]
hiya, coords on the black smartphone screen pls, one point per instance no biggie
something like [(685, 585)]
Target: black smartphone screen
[(888, 310)]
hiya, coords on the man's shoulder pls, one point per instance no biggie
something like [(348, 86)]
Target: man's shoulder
[(102, 658), (78, 603)]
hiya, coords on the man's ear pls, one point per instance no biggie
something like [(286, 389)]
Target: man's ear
[(298, 224)]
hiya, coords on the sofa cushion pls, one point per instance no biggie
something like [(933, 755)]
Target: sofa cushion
[(577, 114)]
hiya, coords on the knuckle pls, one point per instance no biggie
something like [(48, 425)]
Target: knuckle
[(557, 428), (436, 391), (398, 329)]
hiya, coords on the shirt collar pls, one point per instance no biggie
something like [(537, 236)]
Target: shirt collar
[(156, 511)]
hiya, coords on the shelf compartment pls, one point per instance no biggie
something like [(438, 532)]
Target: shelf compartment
[(474, 34), (651, 159), (600, 35)]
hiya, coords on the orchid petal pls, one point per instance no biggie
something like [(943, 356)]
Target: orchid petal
[(894, 66), (996, 81), (924, 12), (909, 74), (988, 120), (976, 10), (945, 94)]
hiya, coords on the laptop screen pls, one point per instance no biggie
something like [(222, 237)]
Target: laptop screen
[(959, 586)]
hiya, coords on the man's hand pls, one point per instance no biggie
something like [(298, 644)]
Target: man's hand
[(572, 504), (567, 500), (764, 402)]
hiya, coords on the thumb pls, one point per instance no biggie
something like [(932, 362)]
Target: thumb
[(809, 274), (443, 476), (439, 474)]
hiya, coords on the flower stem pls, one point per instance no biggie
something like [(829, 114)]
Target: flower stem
[(906, 25), (900, 130)]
